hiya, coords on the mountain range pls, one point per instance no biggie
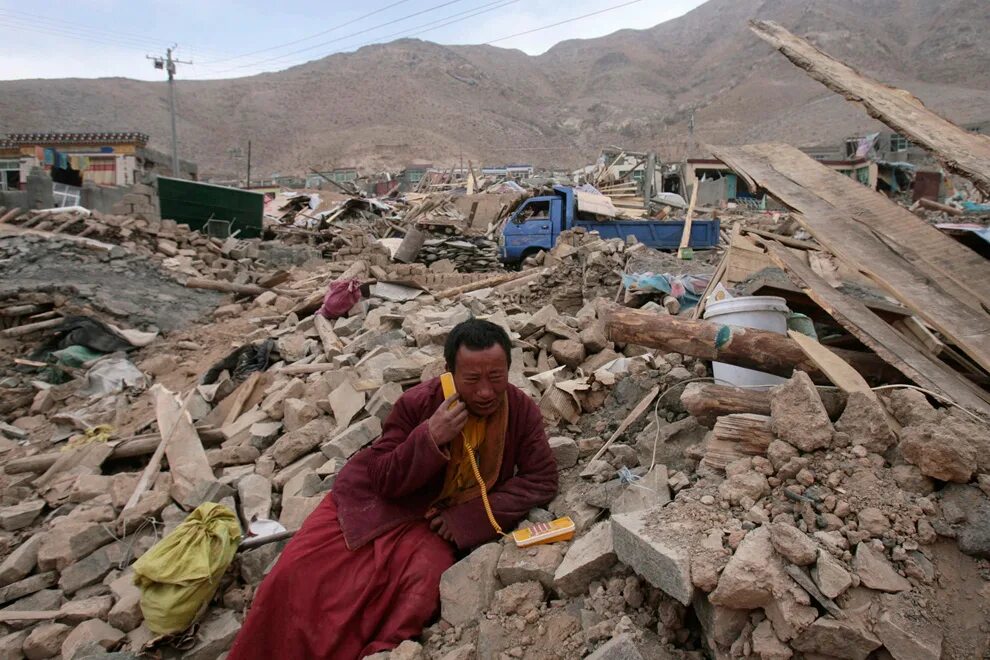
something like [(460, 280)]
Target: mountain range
[(388, 104)]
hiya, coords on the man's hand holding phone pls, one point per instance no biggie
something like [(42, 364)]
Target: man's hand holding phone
[(448, 421)]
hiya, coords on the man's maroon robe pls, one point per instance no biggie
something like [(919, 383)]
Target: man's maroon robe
[(363, 573)]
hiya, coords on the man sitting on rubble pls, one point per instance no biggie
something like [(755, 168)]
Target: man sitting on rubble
[(363, 573)]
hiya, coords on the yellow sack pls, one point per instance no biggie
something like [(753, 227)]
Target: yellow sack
[(179, 575)]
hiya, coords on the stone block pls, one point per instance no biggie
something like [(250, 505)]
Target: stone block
[(536, 563), (380, 403), (303, 440), (84, 609), (841, 639), (296, 413), (467, 587), (93, 630), (308, 463), (662, 554), (649, 491), (216, 635), (798, 416), (356, 436), (876, 572), (752, 574), (938, 452), (792, 544), (565, 451), (93, 568), (622, 647), (830, 575), (907, 638), (295, 510), (19, 516), (45, 641), (69, 541), (589, 558), (21, 562), (255, 494)]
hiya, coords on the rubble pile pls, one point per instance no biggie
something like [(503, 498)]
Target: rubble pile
[(174, 245), (469, 255), (268, 441)]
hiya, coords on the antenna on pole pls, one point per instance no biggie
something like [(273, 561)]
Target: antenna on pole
[(168, 64)]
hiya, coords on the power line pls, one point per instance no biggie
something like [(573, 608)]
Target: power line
[(354, 34), (78, 36), (569, 20), (312, 36), (47, 25), (511, 36), (471, 13)]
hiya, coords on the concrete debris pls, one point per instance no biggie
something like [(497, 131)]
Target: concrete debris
[(722, 522), (467, 587), (798, 416), (588, 559)]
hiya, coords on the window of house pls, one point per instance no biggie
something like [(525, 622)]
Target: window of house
[(10, 174), (898, 142)]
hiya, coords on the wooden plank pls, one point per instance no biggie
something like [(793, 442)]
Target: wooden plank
[(633, 415), (838, 371), (958, 150), (686, 234), (187, 460), (597, 204), (877, 335), (853, 241), (960, 271)]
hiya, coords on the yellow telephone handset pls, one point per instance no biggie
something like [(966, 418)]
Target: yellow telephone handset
[(561, 529)]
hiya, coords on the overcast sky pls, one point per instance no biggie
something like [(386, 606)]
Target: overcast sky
[(228, 38)]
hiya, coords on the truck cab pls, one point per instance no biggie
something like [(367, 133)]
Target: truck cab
[(533, 227)]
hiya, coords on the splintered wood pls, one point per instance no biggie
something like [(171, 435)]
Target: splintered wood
[(959, 150), (737, 436)]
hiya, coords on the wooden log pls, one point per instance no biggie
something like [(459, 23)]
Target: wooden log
[(706, 402), (529, 276), (10, 215), (332, 346), (21, 310), (935, 206), (28, 328), (737, 436), (480, 284), (133, 448), (226, 287), (276, 278), (307, 368), (743, 347)]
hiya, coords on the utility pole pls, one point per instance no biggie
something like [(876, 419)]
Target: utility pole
[(168, 63), (248, 184)]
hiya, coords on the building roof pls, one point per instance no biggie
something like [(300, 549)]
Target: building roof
[(74, 138)]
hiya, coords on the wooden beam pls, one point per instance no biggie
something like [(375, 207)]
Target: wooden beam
[(879, 336), (958, 150), (735, 437), (706, 402), (955, 268), (744, 347), (938, 299), (682, 250)]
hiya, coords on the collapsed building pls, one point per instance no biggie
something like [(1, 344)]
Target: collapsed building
[(830, 501)]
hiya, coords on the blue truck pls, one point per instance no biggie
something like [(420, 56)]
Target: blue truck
[(538, 222)]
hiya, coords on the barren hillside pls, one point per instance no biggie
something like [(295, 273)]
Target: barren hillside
[(387, 104)]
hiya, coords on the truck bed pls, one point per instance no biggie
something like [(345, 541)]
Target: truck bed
[(659, 234)]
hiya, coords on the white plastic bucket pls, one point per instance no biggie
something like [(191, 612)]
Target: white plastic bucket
[(758, 312)]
